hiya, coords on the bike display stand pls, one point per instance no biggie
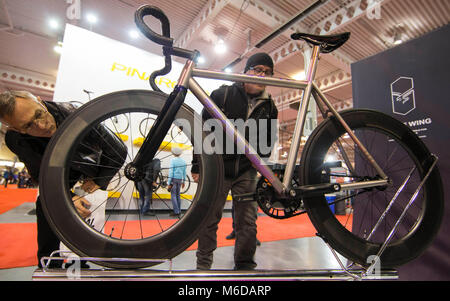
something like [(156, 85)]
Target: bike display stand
[(106, 274), (375, 259)]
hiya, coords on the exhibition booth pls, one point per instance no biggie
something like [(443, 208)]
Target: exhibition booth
[(354, 187)]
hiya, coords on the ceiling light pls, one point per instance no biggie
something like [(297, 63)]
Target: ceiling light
[(91, 18), (134, 34), (398, 41), (53, 24), (220, 47), (397, 36), (300, 76), (58, 48), (17, 165), (228, 70), (200, 60), (330, 158)]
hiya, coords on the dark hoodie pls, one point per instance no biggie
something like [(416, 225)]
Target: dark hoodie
[(234, 102)]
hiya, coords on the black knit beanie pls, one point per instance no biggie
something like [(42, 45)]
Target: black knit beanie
[(260, 58)]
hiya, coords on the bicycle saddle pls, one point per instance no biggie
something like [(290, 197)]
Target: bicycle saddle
[(327, 43)]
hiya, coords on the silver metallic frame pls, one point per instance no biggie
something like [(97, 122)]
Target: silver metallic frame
[(309, 87)]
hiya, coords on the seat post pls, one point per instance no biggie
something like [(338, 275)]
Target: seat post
[(313, 64), (301, 117)]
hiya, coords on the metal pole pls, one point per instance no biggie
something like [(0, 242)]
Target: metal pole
[(279, 30)]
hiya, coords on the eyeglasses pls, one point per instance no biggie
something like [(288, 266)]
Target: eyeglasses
[(259, 70), (39, 116)]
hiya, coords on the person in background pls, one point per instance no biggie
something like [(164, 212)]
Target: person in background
[(22, 179), (239, 101), (146, 186), (6, 177), (31, 123), (177, 176)]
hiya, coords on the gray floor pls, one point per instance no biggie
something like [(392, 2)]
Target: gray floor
[(294, 254)]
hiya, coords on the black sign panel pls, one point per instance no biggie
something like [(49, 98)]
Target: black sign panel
[(411, 82)]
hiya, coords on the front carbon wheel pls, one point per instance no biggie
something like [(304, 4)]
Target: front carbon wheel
[(117, 227)]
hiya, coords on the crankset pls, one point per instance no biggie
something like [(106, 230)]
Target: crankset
[(274, 205), (289, 205), (270, 202)]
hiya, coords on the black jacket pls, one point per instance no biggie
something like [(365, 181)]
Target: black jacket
[(100, 145), (234, 102)]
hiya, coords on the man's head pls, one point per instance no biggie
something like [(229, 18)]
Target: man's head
[(258, 64), (23, 112)]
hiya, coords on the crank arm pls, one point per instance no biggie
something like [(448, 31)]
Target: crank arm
[(314, 190), (298, 192)]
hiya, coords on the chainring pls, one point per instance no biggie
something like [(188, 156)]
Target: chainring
[(275, 206)]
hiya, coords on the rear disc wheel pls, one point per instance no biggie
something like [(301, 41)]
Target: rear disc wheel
[(398, 151)]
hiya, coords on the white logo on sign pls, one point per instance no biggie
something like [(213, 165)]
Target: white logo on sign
[(403, 96)]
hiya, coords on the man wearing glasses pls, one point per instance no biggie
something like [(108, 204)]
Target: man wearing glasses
[(31, 123), (240, 101)]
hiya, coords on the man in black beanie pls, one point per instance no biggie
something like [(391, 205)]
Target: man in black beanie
[(240, 101), (262, 59)]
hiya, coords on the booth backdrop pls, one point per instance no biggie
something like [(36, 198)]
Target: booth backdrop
[(101, 65), (411, 83)]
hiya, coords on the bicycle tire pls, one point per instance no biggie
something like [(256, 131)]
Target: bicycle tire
[(145, 122), (187, 185), (86, 241), (175, 137), (423, 219), (162, 183), (121, 131), (159, 180)]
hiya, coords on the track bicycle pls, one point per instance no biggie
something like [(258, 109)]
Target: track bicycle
[(162, 181), (391, 179), (175, 132)]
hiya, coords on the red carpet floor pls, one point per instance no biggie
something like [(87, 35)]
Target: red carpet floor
[(12, 197), (269, 229), (18, 244), (19, 247)]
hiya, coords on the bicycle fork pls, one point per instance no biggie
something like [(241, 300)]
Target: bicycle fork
[(160, 128)]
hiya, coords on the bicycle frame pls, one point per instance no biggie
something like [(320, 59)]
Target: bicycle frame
[(187, 81)]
